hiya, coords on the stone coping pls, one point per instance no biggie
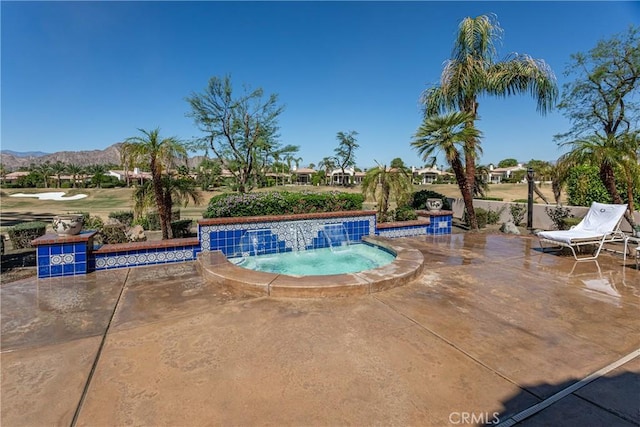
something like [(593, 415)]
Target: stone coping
[(54, 239), (292, 217), (421, 221), (434, 213), (153, 244), (407, 266)]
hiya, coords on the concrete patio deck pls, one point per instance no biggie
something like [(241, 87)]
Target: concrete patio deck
[(492, 328)]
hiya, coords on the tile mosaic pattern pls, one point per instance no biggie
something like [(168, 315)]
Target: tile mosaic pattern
[(440, 224), (67, 259), (141, 257), (280, 236), (416, 230)]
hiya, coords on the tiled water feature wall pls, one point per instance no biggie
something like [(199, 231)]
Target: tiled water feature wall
[(265, 235), (75, 255)]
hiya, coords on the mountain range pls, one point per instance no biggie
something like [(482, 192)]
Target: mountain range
[(14, 160)]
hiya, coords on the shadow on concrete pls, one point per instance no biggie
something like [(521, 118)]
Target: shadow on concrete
[(610, 400)]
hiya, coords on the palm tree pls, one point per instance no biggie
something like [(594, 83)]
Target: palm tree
[(162, 155), (45, 171), (75, 171), (382, 183), (180, 190), (97, 172), (328, 164), (449, 134), (472, 72), (58, 168), (608, 154)]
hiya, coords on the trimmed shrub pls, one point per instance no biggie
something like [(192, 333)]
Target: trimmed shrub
[(123, 217), (91, 222), (181, 228), (481, 217), (405, 213), (517, 211), (114, 233), (558, 214), (493, 217), (22, 234), (280, 203), (584, 186), (419, 200)]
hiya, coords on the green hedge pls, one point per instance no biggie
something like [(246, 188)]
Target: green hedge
[(281, 203), (22, 234)]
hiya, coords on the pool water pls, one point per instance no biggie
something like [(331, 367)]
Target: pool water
[(319, 262)]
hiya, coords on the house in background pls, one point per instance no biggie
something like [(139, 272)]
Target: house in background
[(336, 177), (428, 175), (134, 176), (302, 176), (497, 175)]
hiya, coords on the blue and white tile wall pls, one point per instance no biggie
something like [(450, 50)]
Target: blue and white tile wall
[(68, 259), (142, 257), (416, 230), (279, 236), (439, 225)]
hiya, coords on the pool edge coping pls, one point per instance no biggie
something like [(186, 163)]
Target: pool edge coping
[(406, 267)]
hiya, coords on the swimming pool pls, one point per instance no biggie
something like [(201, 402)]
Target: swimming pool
[(319, 262)]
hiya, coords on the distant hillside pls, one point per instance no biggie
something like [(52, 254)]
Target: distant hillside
[(23, 153), (111, 155)]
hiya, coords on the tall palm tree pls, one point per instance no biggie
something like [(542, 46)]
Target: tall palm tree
[(383, 183), (58, 168), (162, 154), (449, 133), (44, 170), (74, 170), (608, 154), (473, 71), (98, 174)]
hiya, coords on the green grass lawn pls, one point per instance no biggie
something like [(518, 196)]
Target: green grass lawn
[(100, 202)]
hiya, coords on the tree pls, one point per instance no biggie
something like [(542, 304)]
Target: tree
[(472, 72), (162, 155), (3, 173), (601, 104), (58, 168), (44, 170), (507, 163), (397, 163), (327, 164), (449, 134), (74, 170), (98, 173), (382, 183), (345, 152), (608, 155), (237, 129)]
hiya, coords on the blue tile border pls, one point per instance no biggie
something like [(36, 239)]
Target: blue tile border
[(63, 258)]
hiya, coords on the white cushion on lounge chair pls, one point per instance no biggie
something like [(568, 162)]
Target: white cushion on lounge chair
[(568, 236), (600, 224)]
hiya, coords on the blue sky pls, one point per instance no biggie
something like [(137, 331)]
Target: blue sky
[(85, 75)]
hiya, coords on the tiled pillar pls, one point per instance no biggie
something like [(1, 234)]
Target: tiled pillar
[(64, 255)]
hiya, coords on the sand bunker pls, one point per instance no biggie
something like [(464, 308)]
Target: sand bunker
[(53, 195)]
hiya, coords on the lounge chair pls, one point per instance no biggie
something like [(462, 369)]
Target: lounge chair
[(600, 225)]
